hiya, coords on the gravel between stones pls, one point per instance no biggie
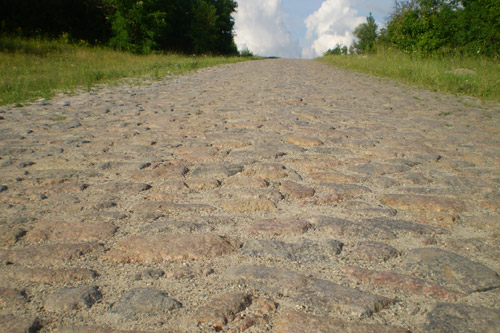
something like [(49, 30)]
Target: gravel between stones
[(274, 195)]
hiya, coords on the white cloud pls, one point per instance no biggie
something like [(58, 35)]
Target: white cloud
[(334, 22), (260, 27)]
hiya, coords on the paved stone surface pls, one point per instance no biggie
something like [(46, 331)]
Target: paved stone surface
[(310, 190)]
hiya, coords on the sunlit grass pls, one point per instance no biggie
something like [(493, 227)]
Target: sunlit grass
[(31, 69), (456, 74)]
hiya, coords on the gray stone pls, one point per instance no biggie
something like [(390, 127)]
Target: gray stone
[(345, 228), (303, 252), (12, 324), (461, 318), (323, 295), (297, 322), (74, 298), (144, 301), (217, 170), (375, 251), (380, 169), (406, 226), (451, 270)]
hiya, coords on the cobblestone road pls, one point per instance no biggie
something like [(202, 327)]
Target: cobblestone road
[(276, 195)]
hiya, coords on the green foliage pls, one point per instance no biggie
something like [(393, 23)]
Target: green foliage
[(246, 53), (427, 26), (203, 30), (366, 34), (30, 69), (451, 73), (338, 50), (138, 26)]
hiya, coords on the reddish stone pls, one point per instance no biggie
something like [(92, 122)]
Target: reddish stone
[(50, 276), (10, 235), (279, 227), (414, 202), (11, 324), (248, 205), (70, 231), (333, 177), (375, 251), (323, 295), (304, 141), (401, 282), (222, 309), (239, 182), (12, 297), (167, 247), (266, 171), (297, 322), (296, 190), (50, 254)]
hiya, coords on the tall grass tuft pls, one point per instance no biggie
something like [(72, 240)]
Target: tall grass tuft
[(31, 69), (449, 73)]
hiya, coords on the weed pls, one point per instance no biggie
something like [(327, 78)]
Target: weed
[(59, 118), (30, 69), (445, 113), (457, 74)]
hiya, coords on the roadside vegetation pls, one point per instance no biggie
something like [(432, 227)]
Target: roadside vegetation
[(36, 68), (48, 46), (449, 46)]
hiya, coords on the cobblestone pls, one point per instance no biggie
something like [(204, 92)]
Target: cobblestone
[(239, 197)]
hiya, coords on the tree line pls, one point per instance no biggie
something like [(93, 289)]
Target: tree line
[(432, 26), (139, 26)]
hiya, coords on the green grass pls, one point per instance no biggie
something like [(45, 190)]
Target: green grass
[(456, 74), (32, 69)]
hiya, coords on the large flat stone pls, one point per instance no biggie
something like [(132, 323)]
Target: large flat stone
[(415, 202), (49, 275), (292, 321), (10, 297), (222, 309), (461, 318), (12, 324), (401, 282), (451, 270), (269, 171), (323, 295), (169, 247), (402, 226), (70, 231), (296, 190), (140, 301), (50, 254), (276, 227), (75, 298), (345, 228), (303, 252)]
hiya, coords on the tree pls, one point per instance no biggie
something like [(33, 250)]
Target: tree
[(203, 31), (366, 34)]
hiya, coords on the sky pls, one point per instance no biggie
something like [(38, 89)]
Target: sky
[(302, 28)]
